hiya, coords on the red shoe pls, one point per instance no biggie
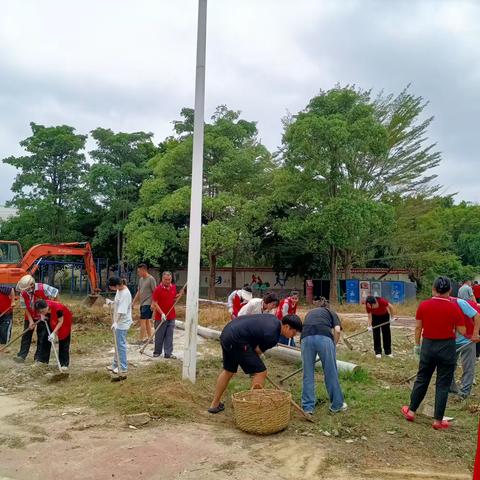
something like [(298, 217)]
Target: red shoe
[(408, 416), (442, 425)]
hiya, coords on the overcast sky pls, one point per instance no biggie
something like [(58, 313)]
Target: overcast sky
[(130, 65)]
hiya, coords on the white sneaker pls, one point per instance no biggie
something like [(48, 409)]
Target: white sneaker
[(342, 409), (390, 355), (378, 355), (64, 369), (113, 370)]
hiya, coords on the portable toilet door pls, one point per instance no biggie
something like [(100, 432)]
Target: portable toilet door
[(376, 289), (364, 290), (352, 291)]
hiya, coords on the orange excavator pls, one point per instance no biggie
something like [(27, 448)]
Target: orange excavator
[(13, 265)]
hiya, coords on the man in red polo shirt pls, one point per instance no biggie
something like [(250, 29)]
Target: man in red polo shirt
[(163, 301)]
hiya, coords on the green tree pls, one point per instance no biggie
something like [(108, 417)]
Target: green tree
[(235, 173), (49, 187), (120, 168)]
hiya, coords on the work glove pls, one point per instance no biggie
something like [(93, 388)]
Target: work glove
[(230, 311), (369, 328), (108, 301), (114, 326), (416, 350), (164, 317), (52, 337)]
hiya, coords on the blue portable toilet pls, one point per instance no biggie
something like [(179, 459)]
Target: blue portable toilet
[(353, 292), (394, 292)]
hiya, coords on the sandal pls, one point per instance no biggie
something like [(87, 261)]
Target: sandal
[(408, 416), (218, 409)]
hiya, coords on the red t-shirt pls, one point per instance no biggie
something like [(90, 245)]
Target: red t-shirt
[(292, 309), (58, 310), (476, 291), (439, 317), (165, 297), (380, 310)]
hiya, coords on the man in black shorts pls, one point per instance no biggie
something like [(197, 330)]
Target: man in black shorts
[(243, 340)]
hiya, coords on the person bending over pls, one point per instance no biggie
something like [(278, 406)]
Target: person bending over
[(260, 305), (243, 342), (321, 332), (380, 311)]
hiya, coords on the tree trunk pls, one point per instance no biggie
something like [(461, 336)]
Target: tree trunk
[(347, 264), (234, 269), (212, 260), (333, 296), (119, 253)]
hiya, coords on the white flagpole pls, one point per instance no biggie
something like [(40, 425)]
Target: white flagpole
[(194, 243)]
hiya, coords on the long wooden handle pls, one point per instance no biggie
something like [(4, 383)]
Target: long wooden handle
[(297, 407), (144, 346), (366, 330)]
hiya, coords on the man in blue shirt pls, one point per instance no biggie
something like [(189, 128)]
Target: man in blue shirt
[(243, 341)]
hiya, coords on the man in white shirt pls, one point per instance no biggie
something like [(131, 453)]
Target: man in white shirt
[(122, 320), (465, 292), (267, 304)]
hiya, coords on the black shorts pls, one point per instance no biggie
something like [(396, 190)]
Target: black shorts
[(146, 312), (242, 356)]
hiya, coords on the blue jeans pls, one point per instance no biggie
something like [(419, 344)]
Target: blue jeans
[(324, 347), (6, 321), (122, 350)]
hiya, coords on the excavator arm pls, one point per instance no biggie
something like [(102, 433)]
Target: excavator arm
[(30, 260)]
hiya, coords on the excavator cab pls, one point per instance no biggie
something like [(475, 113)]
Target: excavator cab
[(10, 253)]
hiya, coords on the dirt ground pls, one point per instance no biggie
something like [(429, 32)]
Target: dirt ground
[(47, 441)]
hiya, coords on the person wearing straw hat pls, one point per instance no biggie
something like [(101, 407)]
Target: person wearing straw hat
[(59, 318), (30, 292), (243, 342), (237, 299), (7, 302)]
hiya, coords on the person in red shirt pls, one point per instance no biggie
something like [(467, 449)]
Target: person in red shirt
[(237, 299), (287, 306), (379, 311), (59, 319), (476, 291), (163, 301), (438, 321)]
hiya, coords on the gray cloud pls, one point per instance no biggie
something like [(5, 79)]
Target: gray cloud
[(130, 66)]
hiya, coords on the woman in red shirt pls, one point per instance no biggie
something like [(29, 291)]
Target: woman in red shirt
[(438, 320), (379, 311)]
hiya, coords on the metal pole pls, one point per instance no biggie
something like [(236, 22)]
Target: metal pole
[(194, 243)]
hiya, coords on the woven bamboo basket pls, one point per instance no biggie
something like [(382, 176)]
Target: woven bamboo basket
[(261, 411)]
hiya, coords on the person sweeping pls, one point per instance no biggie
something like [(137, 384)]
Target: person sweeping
[(31, 292), (59, 319), (438, 321), (380, 311), (243, 341)]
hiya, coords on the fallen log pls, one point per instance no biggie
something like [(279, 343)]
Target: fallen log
[(289, 354)]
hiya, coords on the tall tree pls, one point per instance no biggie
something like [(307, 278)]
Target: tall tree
[(235, 172), (49, 186), (120, 168)]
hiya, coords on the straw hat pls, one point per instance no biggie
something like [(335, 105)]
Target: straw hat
[(26, 282)]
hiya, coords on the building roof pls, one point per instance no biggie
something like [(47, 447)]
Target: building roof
[(6, 212)]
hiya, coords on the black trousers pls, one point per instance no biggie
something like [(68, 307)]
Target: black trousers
[(437, 355), (384, 332), (42, 339), (63, 351)]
